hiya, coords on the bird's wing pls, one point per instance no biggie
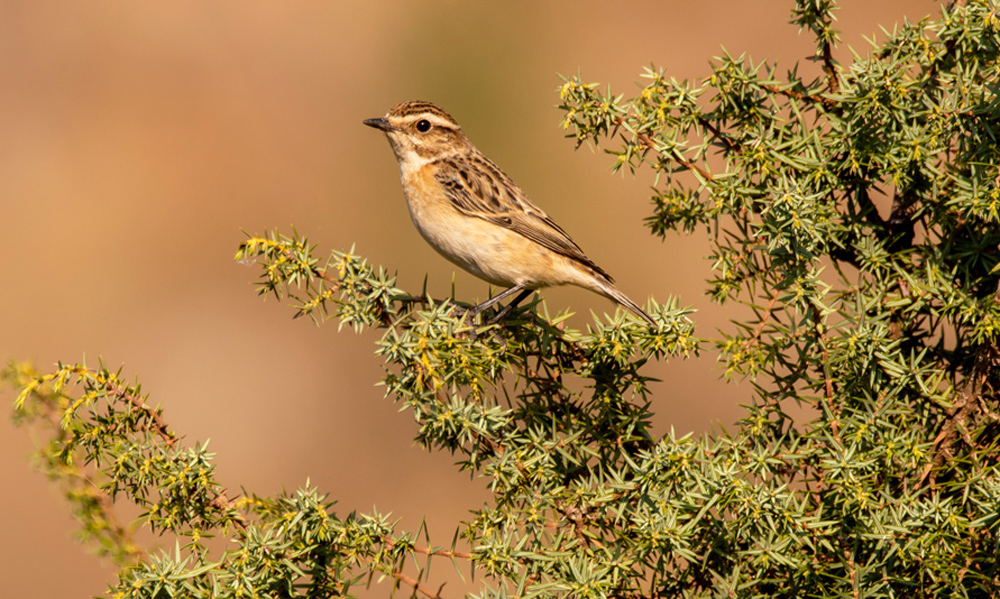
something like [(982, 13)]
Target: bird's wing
[(478, 188)]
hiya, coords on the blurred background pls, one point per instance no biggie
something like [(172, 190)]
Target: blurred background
[(138, 138)]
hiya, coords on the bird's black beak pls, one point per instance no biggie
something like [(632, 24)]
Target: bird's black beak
[(380, 123)]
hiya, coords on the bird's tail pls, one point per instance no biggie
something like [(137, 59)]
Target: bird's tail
[(608, 290)]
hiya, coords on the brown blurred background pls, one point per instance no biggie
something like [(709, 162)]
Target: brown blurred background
[(138, 138)]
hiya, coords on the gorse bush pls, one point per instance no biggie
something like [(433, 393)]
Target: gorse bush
[(854, 210)]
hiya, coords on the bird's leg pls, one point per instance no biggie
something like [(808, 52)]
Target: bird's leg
[(498, 298), (522, 293)]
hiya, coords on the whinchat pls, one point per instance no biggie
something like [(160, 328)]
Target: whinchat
[(474, 215)]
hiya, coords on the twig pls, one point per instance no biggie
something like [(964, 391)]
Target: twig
[(830, 66), (730, 144), (827, 381), (797, 95), (968, 407), (75, 473), (649, 144), (431, 552), (159, 425), (220, 502)]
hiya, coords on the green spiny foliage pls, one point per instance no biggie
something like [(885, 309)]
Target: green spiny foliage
[(854, 213), (494, 395)]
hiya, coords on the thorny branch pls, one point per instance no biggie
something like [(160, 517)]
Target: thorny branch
[(797, 95), (830, 67), (76, 475), (155, 416), (648, 143), (975, 399), (431, 551)]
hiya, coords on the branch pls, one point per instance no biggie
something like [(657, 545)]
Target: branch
[(121, 391), (81, 484), (221, 502), (730, 144), (830, 67), (648, 143), (971, 404), (827, 380), (797, 95), (431, 552)]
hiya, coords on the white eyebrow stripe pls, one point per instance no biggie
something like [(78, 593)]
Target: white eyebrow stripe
[(433, 118)]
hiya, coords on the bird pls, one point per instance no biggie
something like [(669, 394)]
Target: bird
[(474, 215)]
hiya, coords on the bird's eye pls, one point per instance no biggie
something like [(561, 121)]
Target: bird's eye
[(423, 126)]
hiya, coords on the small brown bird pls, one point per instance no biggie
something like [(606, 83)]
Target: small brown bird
[(478, 218)]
